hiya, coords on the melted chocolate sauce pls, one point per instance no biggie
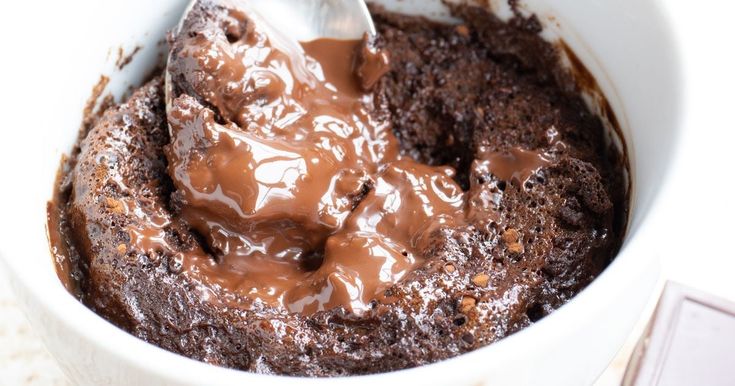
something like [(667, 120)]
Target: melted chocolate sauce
[(274, 187), (279, 188)]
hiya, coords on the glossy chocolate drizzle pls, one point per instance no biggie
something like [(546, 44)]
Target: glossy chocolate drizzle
[(298, 190)]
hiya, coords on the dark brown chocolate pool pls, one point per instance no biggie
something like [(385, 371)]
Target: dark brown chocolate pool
[(340, 207)]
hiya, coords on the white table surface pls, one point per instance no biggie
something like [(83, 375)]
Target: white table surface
[(695, 236), (23, 358)]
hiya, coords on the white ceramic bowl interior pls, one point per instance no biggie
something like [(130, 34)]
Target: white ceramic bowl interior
[(626, 44)]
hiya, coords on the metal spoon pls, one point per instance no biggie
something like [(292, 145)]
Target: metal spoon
[(305, 20), (299, 21)]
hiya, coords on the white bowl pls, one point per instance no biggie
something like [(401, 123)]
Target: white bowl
[(53, 64)]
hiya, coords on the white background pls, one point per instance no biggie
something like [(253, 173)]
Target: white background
[(697, 234)]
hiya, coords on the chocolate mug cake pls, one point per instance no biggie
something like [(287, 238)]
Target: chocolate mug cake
[(349, 207)]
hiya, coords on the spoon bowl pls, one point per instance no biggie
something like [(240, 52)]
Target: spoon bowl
[(308, 20), (293, 21)]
